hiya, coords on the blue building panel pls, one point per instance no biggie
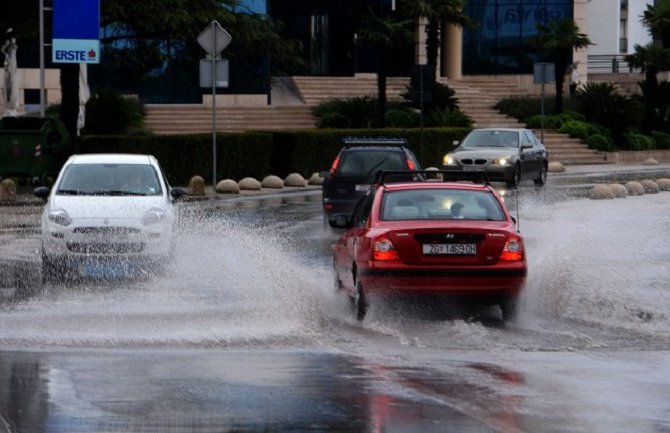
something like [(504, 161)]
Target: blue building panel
[(76, 19)]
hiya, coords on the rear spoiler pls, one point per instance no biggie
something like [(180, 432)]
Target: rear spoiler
[(384, 176)]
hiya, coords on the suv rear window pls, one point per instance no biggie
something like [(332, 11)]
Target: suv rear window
[(363, 163)]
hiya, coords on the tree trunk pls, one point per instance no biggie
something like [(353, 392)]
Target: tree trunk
[(69, 108), (562, 60), (381, 87), (433, 45)]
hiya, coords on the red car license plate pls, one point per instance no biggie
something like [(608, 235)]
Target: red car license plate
[(449, 249)]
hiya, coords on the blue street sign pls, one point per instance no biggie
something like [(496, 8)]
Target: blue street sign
[(76, 31)]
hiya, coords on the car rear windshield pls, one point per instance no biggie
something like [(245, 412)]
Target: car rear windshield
[(109, 179), (441, 204), (492, 139), (363, 164)]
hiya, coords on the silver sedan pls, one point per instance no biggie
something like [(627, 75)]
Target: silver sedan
[(508, 155)]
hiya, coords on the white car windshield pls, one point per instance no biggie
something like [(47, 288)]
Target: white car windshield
[(492, 138), (109, 179), (440, 204)]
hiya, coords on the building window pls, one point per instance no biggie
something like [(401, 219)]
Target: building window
[(499, 44)]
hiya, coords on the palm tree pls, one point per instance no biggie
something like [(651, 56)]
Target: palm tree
[(650, 59), (436, 12), (560, 38), (657, 19), (384, 33)]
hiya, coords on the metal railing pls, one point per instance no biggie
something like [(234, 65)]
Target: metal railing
[(609, 64)]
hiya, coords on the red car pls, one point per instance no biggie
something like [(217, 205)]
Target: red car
[(430, 238)]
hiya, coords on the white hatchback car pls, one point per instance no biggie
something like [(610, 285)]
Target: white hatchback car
[(107, 214)]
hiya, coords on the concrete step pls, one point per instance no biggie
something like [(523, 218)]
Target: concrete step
[(315, 90), (180, 119)]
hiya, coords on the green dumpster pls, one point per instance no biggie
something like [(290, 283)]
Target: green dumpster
[(32, 147)]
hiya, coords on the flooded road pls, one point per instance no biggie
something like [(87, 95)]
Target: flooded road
[(246, 333)]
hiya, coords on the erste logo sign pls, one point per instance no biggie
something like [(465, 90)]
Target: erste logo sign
[(76, 31)]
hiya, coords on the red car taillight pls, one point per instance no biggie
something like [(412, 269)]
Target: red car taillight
[(334, 166), (384, 250), (513, 250)]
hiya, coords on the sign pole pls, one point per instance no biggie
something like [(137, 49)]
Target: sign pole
[(214, 111), (42, 58), (213, 39)]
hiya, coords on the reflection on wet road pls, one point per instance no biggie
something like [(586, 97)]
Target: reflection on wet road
[(257, 391)]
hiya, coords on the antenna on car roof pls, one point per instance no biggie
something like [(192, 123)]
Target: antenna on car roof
[(518, 217)]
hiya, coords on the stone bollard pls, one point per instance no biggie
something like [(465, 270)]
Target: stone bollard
[(634, 188), (250, 184), (196, 186), (295, 179), (650, 187), (437, 176), (555, 167), (227, 186), (272, 181), (601, 192), (650, 161), (618, 190), (315, 179), (7, 190), (663, 184)]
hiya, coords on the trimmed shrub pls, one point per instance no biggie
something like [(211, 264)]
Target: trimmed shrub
[(550, 122), (359, 111), (333, 120), (662, 139), (520, 108), (444, 97), (600, 142), (528, 106), (566, 116), (575, 129), (399, 119), (600, 103), (445, 117), (638, 141), (108, 113)]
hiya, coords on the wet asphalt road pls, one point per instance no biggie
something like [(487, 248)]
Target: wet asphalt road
[(246, 334)]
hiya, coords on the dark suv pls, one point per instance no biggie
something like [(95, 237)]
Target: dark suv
[(355, 167)]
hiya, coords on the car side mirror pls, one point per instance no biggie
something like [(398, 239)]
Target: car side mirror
[(340, 221), (177, 193), (42, 192), (527, 146)]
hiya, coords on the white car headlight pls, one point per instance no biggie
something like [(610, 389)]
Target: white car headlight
[(59, 217), (502, 161), (154, 216), (449, 159)]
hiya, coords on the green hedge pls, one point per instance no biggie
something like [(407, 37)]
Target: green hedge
[(183, 156), (261, 153)]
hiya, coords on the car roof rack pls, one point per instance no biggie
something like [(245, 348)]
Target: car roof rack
[(374, 141), (420, 176)]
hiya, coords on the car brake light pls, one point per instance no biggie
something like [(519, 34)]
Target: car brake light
[(384, 250), (513, 250), (410, 164), (335, 164)]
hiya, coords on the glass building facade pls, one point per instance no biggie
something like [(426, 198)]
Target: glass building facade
[(499, 42)]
